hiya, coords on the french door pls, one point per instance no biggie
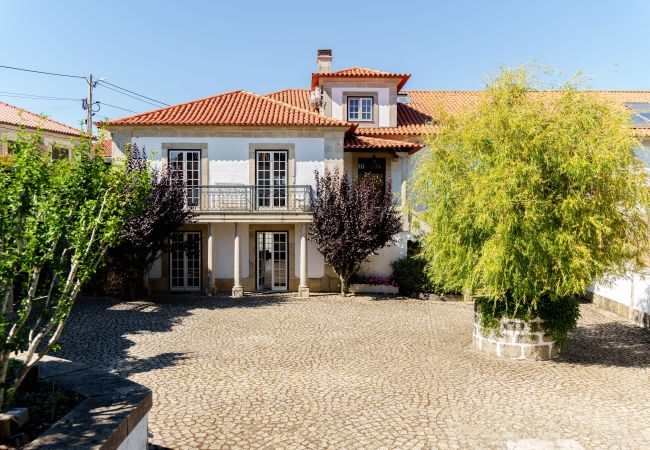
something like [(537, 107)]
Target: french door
[(185, 261), (272, 263), (186, 164), (271, 178)]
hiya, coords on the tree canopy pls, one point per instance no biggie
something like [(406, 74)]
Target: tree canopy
[(532, 194), (57, 220), (352, 220)]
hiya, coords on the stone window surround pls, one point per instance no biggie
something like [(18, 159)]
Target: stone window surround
[(202, 147), (360, 109), (375, 107), (289, 147)]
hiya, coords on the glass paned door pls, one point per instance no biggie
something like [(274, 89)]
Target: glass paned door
[(271, 176), (185, 261), (186, 164), (272, 263)]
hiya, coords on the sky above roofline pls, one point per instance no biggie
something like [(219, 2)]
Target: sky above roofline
[(180, 51)]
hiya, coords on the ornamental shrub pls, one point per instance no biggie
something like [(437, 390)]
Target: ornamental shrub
[(411, 277)]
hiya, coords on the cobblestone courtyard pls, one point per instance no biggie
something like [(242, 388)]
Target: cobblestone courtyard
[(328, 372)]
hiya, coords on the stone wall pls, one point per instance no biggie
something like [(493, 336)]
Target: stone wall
[(515, 339)]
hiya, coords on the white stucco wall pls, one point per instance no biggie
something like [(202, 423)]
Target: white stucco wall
[(383, 100), (224, 238), (315, 260), (632, 290), (228, 161), (379, 264)]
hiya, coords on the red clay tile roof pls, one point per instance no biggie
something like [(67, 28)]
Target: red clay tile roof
[(356, 143), (237, 108), (103, 148), (12, 115), (414, 118), (295, 97), (359, 72)]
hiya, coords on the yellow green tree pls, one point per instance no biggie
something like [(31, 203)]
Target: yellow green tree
[(530, 196)]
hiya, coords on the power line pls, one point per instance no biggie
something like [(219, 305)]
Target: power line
[(44, 73), (117, 107), (132, 96), (140, 95), (34, 96)]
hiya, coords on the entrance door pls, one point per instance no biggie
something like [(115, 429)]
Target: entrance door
[(185, 261), (272, 263), (186, 164), (271, 176)]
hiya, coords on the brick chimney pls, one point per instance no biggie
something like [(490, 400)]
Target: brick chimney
[(324, 60)]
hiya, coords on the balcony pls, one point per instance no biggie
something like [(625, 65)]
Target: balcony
[(248, 199)]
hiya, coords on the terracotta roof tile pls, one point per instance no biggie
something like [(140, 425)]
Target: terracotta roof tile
[(237, 108), (13, 115), (355, 143), (103, 148), (295, 97), (359, 72)]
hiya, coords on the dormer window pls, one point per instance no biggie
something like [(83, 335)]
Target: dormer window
[(360, 109)]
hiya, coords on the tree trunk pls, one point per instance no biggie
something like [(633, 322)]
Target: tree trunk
[(344, 284)]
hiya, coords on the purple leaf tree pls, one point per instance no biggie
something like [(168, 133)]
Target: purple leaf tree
[(146, 234), (352, 220)]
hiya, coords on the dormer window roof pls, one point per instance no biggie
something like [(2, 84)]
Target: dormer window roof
[(359, 72)]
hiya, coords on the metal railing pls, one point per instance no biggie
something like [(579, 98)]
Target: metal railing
[(249, 198)]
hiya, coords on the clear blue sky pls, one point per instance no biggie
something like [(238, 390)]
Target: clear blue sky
[(178, 51)]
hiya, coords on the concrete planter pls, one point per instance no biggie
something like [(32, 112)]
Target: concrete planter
[(361, 288), (515, 339), (113, 415)]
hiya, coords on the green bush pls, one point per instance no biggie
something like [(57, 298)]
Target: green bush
[(560, 315), (411, 277)]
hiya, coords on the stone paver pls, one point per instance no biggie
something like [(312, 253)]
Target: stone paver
[(328, 372)]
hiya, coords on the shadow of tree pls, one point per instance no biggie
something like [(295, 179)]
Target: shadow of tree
[(608, 344), (99, 329)]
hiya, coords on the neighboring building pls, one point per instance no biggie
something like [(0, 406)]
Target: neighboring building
[(56, 136), (249, 163)]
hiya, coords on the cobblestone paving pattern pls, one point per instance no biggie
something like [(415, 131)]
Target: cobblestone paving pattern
[(273, 371)]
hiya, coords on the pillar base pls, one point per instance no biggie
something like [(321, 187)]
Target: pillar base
[(303, 291), (237, 292)]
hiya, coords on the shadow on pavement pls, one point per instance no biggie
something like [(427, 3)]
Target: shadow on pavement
[(608, 344)]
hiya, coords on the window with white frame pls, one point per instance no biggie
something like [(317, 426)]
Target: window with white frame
[(360, 109)]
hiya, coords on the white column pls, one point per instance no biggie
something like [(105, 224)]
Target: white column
[(211, 273), (237, 289), (303, 288)]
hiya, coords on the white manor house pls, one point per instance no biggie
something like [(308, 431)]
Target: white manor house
[(249, 163)]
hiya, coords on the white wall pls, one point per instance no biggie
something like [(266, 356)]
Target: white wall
[(224, 238), (383, 100), (379, 264), (228, 157), (315, 260), (632, 291)]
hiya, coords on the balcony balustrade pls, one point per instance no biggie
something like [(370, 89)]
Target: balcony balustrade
[(242, 198)]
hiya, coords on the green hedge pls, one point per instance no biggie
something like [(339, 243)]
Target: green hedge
[(411, 277)]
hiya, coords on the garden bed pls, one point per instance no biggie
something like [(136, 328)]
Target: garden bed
[(47, 403)]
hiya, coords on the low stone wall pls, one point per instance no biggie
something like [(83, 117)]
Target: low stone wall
[(632, 314), (113, 415), (362, 288), (515, 339)]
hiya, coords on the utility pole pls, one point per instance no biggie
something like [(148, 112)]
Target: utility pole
[(89, 120)]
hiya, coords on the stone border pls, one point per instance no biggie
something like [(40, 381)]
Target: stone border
[(516, 339), (113, 415), (639, 317)]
